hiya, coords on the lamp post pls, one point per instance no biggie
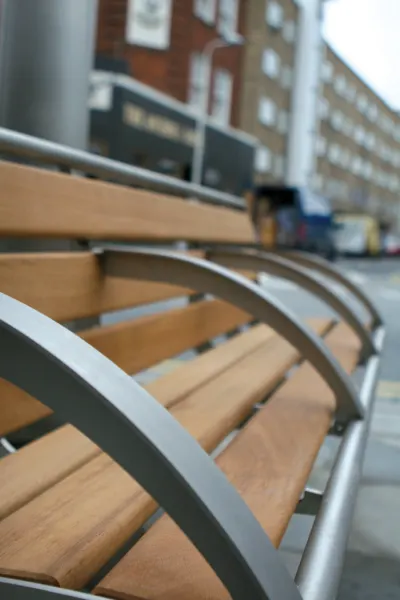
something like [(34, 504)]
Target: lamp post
[(206, 60)]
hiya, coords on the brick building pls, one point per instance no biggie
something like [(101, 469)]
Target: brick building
[(268, 78), (172, 62), (357, 145)]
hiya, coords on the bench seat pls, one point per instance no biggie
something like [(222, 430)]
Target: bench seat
[(80, 507), (107, 484)]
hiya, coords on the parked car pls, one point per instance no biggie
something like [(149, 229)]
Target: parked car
[(391, 245), (357, 235)]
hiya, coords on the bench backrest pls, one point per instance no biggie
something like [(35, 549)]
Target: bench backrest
[(68, 286)]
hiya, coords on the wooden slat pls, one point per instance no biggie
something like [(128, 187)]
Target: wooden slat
[(49, 460), (268, 462), (74, 285), (76, 525), (66, 286), (139, 344), (188, 377), (35, 202), (133, 346), (29, 472)]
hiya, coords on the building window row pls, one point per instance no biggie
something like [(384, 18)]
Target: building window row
[(367, 139), (364, 105), (206, 10), (275, 18), (222, 84), (271, 66), (266, 162), (362, 168), (270, 115)]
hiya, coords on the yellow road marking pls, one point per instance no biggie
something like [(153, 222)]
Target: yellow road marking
[(389, 389)]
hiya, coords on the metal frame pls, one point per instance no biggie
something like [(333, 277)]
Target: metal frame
[(15, 589), (89, 391), (61, 156), (286, 269), (207, 277), (322, 266), (318, 576)]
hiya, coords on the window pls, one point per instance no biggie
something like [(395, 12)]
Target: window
[(370, 140), (286, 77), (283, 122), (345, 159), (323, 108), (205, 10), (289, 31), (359, 134), (100, 91), (340, 85), (334, 153), (222, 97), (347, 126), (351, 93), (228, 15), (337, 120), (271, 63), (320, 146), (372, 112), (317, 182), (196, 80), (267, 111), (362, 103), (274, 14), (263, 160), (279, 167), (327, 72), (356, 165)]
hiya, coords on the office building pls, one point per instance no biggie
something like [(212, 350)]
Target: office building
[(357, 143), (268, 79)]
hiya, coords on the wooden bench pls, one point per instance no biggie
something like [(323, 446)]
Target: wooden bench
[(78, 506)]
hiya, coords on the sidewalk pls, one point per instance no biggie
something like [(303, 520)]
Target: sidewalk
[(372, 568)]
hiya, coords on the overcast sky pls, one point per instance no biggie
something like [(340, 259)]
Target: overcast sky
[(365, 33)]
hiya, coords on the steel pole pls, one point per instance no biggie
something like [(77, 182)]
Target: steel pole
[(46, 56)]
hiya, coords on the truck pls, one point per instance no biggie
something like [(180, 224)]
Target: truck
[(293, 217)]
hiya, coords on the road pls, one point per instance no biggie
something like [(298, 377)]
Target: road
[(373, 560)]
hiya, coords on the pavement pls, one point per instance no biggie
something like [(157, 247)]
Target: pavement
[(372, 567)]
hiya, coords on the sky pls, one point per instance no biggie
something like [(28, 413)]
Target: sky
[(365, 33)]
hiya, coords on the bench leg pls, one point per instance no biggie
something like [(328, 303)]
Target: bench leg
[(280, 267), (207, 277), (105, 404), (318, 576)]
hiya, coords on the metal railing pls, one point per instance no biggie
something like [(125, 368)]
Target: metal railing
[(66, 158)]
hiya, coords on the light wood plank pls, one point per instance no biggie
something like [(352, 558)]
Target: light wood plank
[(79, 523), (139, 344), (66, 286), (188, 377), (35, 202), (38, 466), (268, 463), (133, 346), (35, 468)]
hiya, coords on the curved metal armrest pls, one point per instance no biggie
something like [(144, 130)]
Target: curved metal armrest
[(207, 277), (261, 261), (89, 391), (322, 266)]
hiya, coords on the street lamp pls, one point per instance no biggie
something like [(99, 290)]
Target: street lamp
[(206, 61)]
